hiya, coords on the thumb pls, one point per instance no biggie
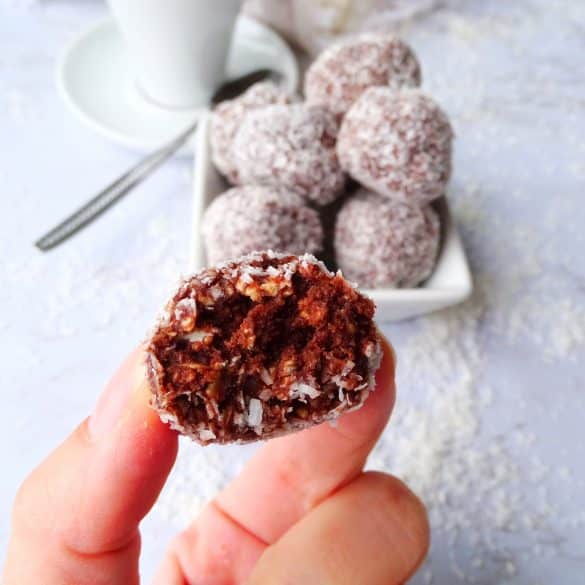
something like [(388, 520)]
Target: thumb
[(76, 516), (374, 531)]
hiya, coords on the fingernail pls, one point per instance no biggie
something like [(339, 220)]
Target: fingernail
[(114, 399)]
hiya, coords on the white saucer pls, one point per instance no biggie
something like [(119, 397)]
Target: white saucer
[(97, 83)]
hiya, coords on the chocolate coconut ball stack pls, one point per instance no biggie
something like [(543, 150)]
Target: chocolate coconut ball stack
[(395, 142), (365, 137)]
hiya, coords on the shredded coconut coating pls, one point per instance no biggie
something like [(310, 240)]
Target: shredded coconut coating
[(339, 76), (261, 347), (398, 144), (245, 219), (384, 243), (291, 147), (227, 117)]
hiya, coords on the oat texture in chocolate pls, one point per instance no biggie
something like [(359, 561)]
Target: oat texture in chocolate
[(227, 118), (245, 219), (292, 147), (261, 347), (398, 144), (384, 243), (343, 72)]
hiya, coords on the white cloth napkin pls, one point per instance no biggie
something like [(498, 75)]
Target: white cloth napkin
[(313, 24)]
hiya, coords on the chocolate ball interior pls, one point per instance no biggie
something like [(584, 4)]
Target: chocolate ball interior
[(260, 347)]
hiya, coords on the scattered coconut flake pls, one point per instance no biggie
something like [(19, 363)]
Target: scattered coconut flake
[(301, 390), (255, 413), (206, 435), (197, 335)]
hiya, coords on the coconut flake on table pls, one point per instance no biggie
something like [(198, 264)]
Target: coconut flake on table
[(316, 24)]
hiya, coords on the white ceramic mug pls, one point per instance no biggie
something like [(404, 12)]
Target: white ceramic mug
[(178, 47)]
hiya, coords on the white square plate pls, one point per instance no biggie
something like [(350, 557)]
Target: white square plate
[(450, 283)]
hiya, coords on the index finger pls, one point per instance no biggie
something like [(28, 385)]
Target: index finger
[(76, 517), (291, 475)]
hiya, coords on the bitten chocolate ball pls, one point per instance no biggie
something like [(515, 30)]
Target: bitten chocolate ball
[(261, 347), (340, 75), (398, 144), (292, 147), (246, 219), (384, 243), (227, 118)]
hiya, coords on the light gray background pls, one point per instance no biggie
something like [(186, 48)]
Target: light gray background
[(489, 421)]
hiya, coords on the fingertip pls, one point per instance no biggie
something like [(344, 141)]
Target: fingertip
[(86, 499), (141, 402), (371, 419), (158, 433), (132, 447), (405, 508), (147, 443), (112, 404), (372, 530), (387, 370), (125, 404)]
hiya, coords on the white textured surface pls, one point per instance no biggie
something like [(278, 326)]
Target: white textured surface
[(488, 424)]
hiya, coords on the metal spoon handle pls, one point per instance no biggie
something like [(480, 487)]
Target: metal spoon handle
[(120, 187), (112, 193)]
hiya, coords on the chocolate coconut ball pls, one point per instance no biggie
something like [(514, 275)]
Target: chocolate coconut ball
[(227, 118), (261, 347), (291, 147), (380, 242), (246, 219), (398, 144), (340, 75)]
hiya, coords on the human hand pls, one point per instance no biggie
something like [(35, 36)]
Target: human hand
[(302, 511)]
